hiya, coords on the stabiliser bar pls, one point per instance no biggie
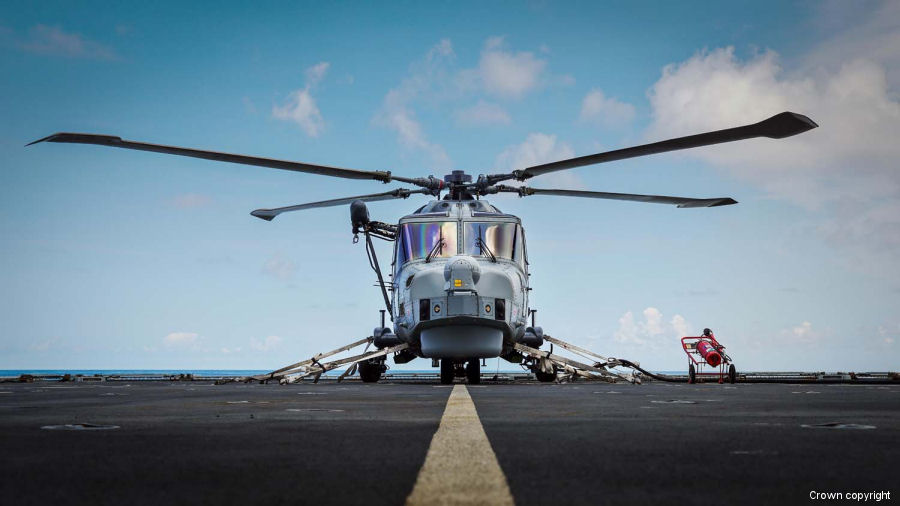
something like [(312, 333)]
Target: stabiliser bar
[(314, 366), (660, 377), (597, 367), (573, 368)]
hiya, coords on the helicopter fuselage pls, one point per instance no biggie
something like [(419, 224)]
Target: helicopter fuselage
[(460, 273)]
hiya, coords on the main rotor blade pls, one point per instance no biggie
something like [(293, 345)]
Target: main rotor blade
[(524, 191), (400, 193), (779, 126), (118, 142)]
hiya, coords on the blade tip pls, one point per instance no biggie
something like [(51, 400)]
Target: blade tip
[(49, 138), (787, 124), (80, 138), (724, 201), (262, 214), (728, 201)]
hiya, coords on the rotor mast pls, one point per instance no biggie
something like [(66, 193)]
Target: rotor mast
[(458, 184)]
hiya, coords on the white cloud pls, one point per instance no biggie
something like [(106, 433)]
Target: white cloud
[(802, 333), (249, 106), (563, 80), (679, 325), (190, 200), (886, 336), (402, 119), (607, 111), (397, 111), (45, 345), (802, 330), (435, 80), (300, 106), (442, 48), (846, 170), (540, 148), (508, 74), (181, 339), (874, 32), (482, 113), (53, 40), (279, 267), (316, 73), (270, 343), (537, 148), (651, 330)]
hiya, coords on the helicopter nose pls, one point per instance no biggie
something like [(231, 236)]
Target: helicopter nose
[(461, 274)]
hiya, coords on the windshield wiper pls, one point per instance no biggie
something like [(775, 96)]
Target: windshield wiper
[(438, 246), (482, 246)]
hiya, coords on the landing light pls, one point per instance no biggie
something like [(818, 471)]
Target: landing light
[(487, 308), (437, 308)]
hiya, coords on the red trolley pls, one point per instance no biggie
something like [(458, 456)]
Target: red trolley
[(705, 351)]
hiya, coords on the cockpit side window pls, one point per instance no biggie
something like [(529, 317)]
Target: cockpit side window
[(521, 249), (417, 240)]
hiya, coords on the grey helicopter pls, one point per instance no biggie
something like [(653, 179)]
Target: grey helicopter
[(459, 282)]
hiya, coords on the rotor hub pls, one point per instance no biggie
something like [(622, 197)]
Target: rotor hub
[(458, 177)]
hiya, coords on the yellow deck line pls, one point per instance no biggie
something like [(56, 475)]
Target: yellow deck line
[(460, 467)]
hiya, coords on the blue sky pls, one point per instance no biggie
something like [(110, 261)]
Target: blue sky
[(121, 259)]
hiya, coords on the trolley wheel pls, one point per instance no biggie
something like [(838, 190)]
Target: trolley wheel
[(447, 371), (692, 374), (732, 374), (473, 371)]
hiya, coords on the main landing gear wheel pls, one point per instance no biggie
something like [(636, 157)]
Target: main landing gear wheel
[(545, 377), (732, 374), (447, 371), (692, 374), (370, 372), (473, 371)]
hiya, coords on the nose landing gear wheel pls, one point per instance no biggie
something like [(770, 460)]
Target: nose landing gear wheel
[(473, 371), (446, 371)]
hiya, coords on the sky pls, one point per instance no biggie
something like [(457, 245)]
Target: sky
[(117, 259)]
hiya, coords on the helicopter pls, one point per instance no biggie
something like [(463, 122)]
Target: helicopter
[(459, 283)]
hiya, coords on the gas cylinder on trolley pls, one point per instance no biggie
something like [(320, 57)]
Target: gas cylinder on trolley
[(709, 353)]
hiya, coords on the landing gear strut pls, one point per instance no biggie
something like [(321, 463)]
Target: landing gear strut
[(447, 371), (473, 371)]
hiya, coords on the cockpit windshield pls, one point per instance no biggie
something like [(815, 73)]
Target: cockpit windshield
[(503, 240), (418, 240)]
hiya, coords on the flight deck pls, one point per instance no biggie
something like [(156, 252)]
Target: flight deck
[(196, 442)]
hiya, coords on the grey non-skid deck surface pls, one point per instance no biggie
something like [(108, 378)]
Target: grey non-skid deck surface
[(690, 444), (582, 443)]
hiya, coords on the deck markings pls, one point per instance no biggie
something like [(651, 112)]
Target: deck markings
[(460, 466)]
